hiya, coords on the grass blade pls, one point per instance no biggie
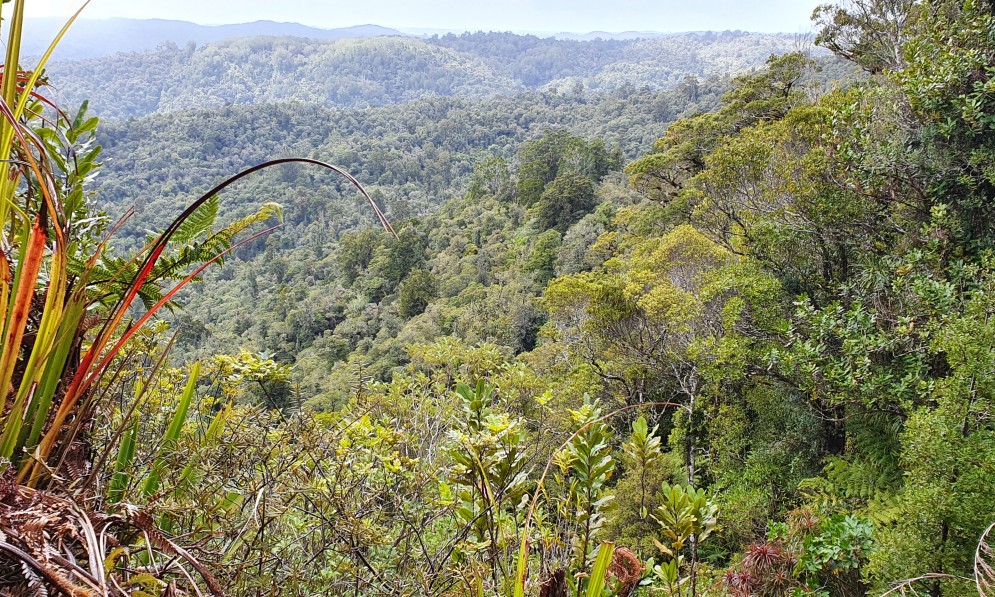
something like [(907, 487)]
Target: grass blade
[(55, 365), (45, 338), (125, 456), (596, 584), (173, 432), (522, 564)]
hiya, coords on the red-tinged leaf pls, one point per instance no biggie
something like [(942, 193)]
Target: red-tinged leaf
[(21, 308), (90, 368), (4, 289), (167, 297), (88, 373)]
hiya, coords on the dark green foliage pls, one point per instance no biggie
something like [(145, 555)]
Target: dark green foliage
[(355, 252), (540, 162), (565, 200), (949, 85), (397, 257), (542, 257), (491, 178), (559, 153), (416, 292), (413, 157)]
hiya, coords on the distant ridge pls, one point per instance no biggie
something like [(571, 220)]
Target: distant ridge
[(624, 35), (94, 38), (562, 35), (91, 38)]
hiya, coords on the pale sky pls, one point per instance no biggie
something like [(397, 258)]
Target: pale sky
[(579, 16)]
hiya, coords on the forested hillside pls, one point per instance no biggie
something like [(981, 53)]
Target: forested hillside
[(414, 156), (388, 70), (729, 337)]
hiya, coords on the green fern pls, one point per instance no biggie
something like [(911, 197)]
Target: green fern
[(198, 224), (192, 244)]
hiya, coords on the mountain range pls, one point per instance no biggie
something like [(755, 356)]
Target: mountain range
[(90, 38)]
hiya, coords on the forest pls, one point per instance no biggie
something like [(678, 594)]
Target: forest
[(718, 326), (377, 71)]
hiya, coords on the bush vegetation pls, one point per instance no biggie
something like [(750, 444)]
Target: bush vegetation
[(754, 360)]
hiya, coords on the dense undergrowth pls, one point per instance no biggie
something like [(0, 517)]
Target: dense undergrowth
[(754, 361)]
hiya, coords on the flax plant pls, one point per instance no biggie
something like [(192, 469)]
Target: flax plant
[(67, 308)]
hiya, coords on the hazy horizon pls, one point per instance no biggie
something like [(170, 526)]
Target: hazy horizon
[(522, 16)]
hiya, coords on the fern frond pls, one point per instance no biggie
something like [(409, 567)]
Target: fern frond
[(199, 223)]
